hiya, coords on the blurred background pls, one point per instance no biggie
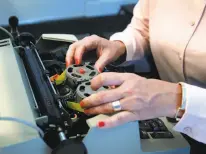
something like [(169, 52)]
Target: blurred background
[(79, 17)]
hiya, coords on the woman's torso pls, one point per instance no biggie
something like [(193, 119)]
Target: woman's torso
[(178, 39)]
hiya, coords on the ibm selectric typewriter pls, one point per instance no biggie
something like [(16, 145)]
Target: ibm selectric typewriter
[(39, 97)]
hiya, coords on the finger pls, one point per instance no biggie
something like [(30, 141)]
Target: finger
[(104, 108), (91, 42), (127, 104), (101, 97), (133, 103), (112, 87), (107, 79), (70, 54), (79, 53), (87, 44), (99, 52), (103, 60), (117, 119)]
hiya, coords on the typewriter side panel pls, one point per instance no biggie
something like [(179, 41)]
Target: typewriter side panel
[(16, 99)]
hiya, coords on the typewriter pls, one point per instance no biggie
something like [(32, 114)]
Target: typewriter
[(30, 96)]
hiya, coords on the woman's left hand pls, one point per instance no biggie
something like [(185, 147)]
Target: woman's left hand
[(140, 98)]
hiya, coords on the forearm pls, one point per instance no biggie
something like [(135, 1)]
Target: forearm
[(136, 36)]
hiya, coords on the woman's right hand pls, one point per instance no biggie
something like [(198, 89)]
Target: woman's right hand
[(107, 51)]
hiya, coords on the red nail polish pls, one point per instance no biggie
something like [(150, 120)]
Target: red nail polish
[(76, 61), (86, 111), (101, 124), (81, 103), (100, 70), (67, 64)]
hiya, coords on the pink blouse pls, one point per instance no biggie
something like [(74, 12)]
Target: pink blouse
[(175, 33)]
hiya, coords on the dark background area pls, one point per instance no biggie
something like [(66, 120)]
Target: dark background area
[(103, 26)]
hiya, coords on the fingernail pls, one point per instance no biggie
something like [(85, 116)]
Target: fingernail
[(86, 111), (113, 87), (99, 70), (76, 60), (81, 103), (67, 64), (101, 124)]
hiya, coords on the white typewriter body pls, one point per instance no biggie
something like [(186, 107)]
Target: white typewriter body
[(17, 100)]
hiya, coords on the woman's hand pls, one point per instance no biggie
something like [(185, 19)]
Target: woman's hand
[(140, 98), (107, 51)]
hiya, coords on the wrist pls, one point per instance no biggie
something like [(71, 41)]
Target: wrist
[(177, 101), (179, 96), (120, 56), (181, 104), (121, 47), (167, 95)]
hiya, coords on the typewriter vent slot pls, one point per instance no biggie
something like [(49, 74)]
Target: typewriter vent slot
[(4, 43)]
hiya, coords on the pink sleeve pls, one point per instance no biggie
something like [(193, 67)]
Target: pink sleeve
[(136, 35)]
